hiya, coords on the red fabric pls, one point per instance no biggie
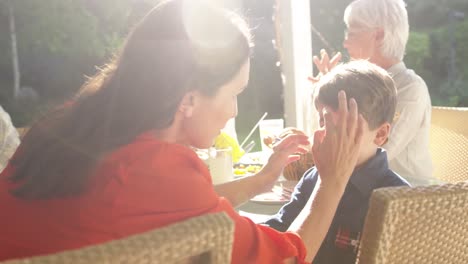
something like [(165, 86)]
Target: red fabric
[(142, 186)]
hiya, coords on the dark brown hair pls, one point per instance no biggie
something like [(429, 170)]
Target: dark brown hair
[(371, 87), (181, 45)]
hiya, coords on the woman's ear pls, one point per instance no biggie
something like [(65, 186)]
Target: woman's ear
[(381, 137), (187, 104)]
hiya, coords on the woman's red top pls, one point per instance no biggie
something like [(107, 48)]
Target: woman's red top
[(141, 186)]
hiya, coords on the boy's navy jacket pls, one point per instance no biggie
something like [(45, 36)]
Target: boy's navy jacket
[(342, 240)]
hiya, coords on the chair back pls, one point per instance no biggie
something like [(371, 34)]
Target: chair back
[(449, 143), (203, 239), (427, 224)]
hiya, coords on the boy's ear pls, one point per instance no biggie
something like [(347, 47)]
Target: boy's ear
[(381, 137)]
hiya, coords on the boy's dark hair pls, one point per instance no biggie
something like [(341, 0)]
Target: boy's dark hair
[(371, 87)]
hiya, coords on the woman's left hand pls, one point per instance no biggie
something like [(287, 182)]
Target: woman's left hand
[(286, 148)]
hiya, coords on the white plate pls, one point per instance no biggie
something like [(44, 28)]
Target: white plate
[(255, 158), (269, 198), (276, 196)]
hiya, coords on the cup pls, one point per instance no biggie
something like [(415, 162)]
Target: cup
[(270, 127), (220, 165)]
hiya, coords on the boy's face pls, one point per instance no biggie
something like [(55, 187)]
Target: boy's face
[(372, 139)]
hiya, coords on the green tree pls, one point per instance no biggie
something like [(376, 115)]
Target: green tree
[(417, 53), (327, 24), (429, 14), (59, 42)]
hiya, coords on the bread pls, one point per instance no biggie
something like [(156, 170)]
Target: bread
[(294, 170)]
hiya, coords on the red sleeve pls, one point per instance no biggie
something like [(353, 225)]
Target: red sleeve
[(261, 244), (177, 186)]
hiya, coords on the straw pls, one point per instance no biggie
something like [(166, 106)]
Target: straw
[(253, 129), (249, 147)]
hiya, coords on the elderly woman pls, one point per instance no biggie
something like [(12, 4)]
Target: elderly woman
[(118, 159), (377, 30)]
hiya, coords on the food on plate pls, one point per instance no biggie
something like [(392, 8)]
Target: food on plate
[(268, 141), (246, 169)]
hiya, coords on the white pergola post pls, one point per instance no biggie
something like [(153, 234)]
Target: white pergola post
[(295, 44)]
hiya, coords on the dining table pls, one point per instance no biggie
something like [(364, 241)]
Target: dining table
[(263, 206), (258, 213)]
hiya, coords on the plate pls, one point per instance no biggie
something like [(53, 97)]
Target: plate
[(270, 198), (255, 158), (280, 194)]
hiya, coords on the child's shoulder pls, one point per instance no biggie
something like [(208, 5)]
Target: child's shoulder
[(392, 179), (310, 174)]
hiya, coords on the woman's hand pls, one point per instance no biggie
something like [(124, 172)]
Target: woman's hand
[(336, 147), (289, 143), (286, 148), (271, 140), (335, 151)]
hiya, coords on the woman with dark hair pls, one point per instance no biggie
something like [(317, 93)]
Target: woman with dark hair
[(118, 159)]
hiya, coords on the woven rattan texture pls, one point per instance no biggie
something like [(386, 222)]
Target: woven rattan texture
[(416, 225), (212, 234), (449, 143)]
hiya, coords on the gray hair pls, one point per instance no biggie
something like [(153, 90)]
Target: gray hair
[(390, 15)]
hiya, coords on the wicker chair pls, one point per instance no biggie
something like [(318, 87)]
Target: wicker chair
[(203, 239), (449, 143), (416, 225)]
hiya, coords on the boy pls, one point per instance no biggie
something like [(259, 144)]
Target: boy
[(375, 94)]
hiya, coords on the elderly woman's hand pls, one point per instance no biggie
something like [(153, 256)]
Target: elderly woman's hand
[(324, 64)]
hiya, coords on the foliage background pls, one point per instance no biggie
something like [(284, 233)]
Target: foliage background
[(60, 42)]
